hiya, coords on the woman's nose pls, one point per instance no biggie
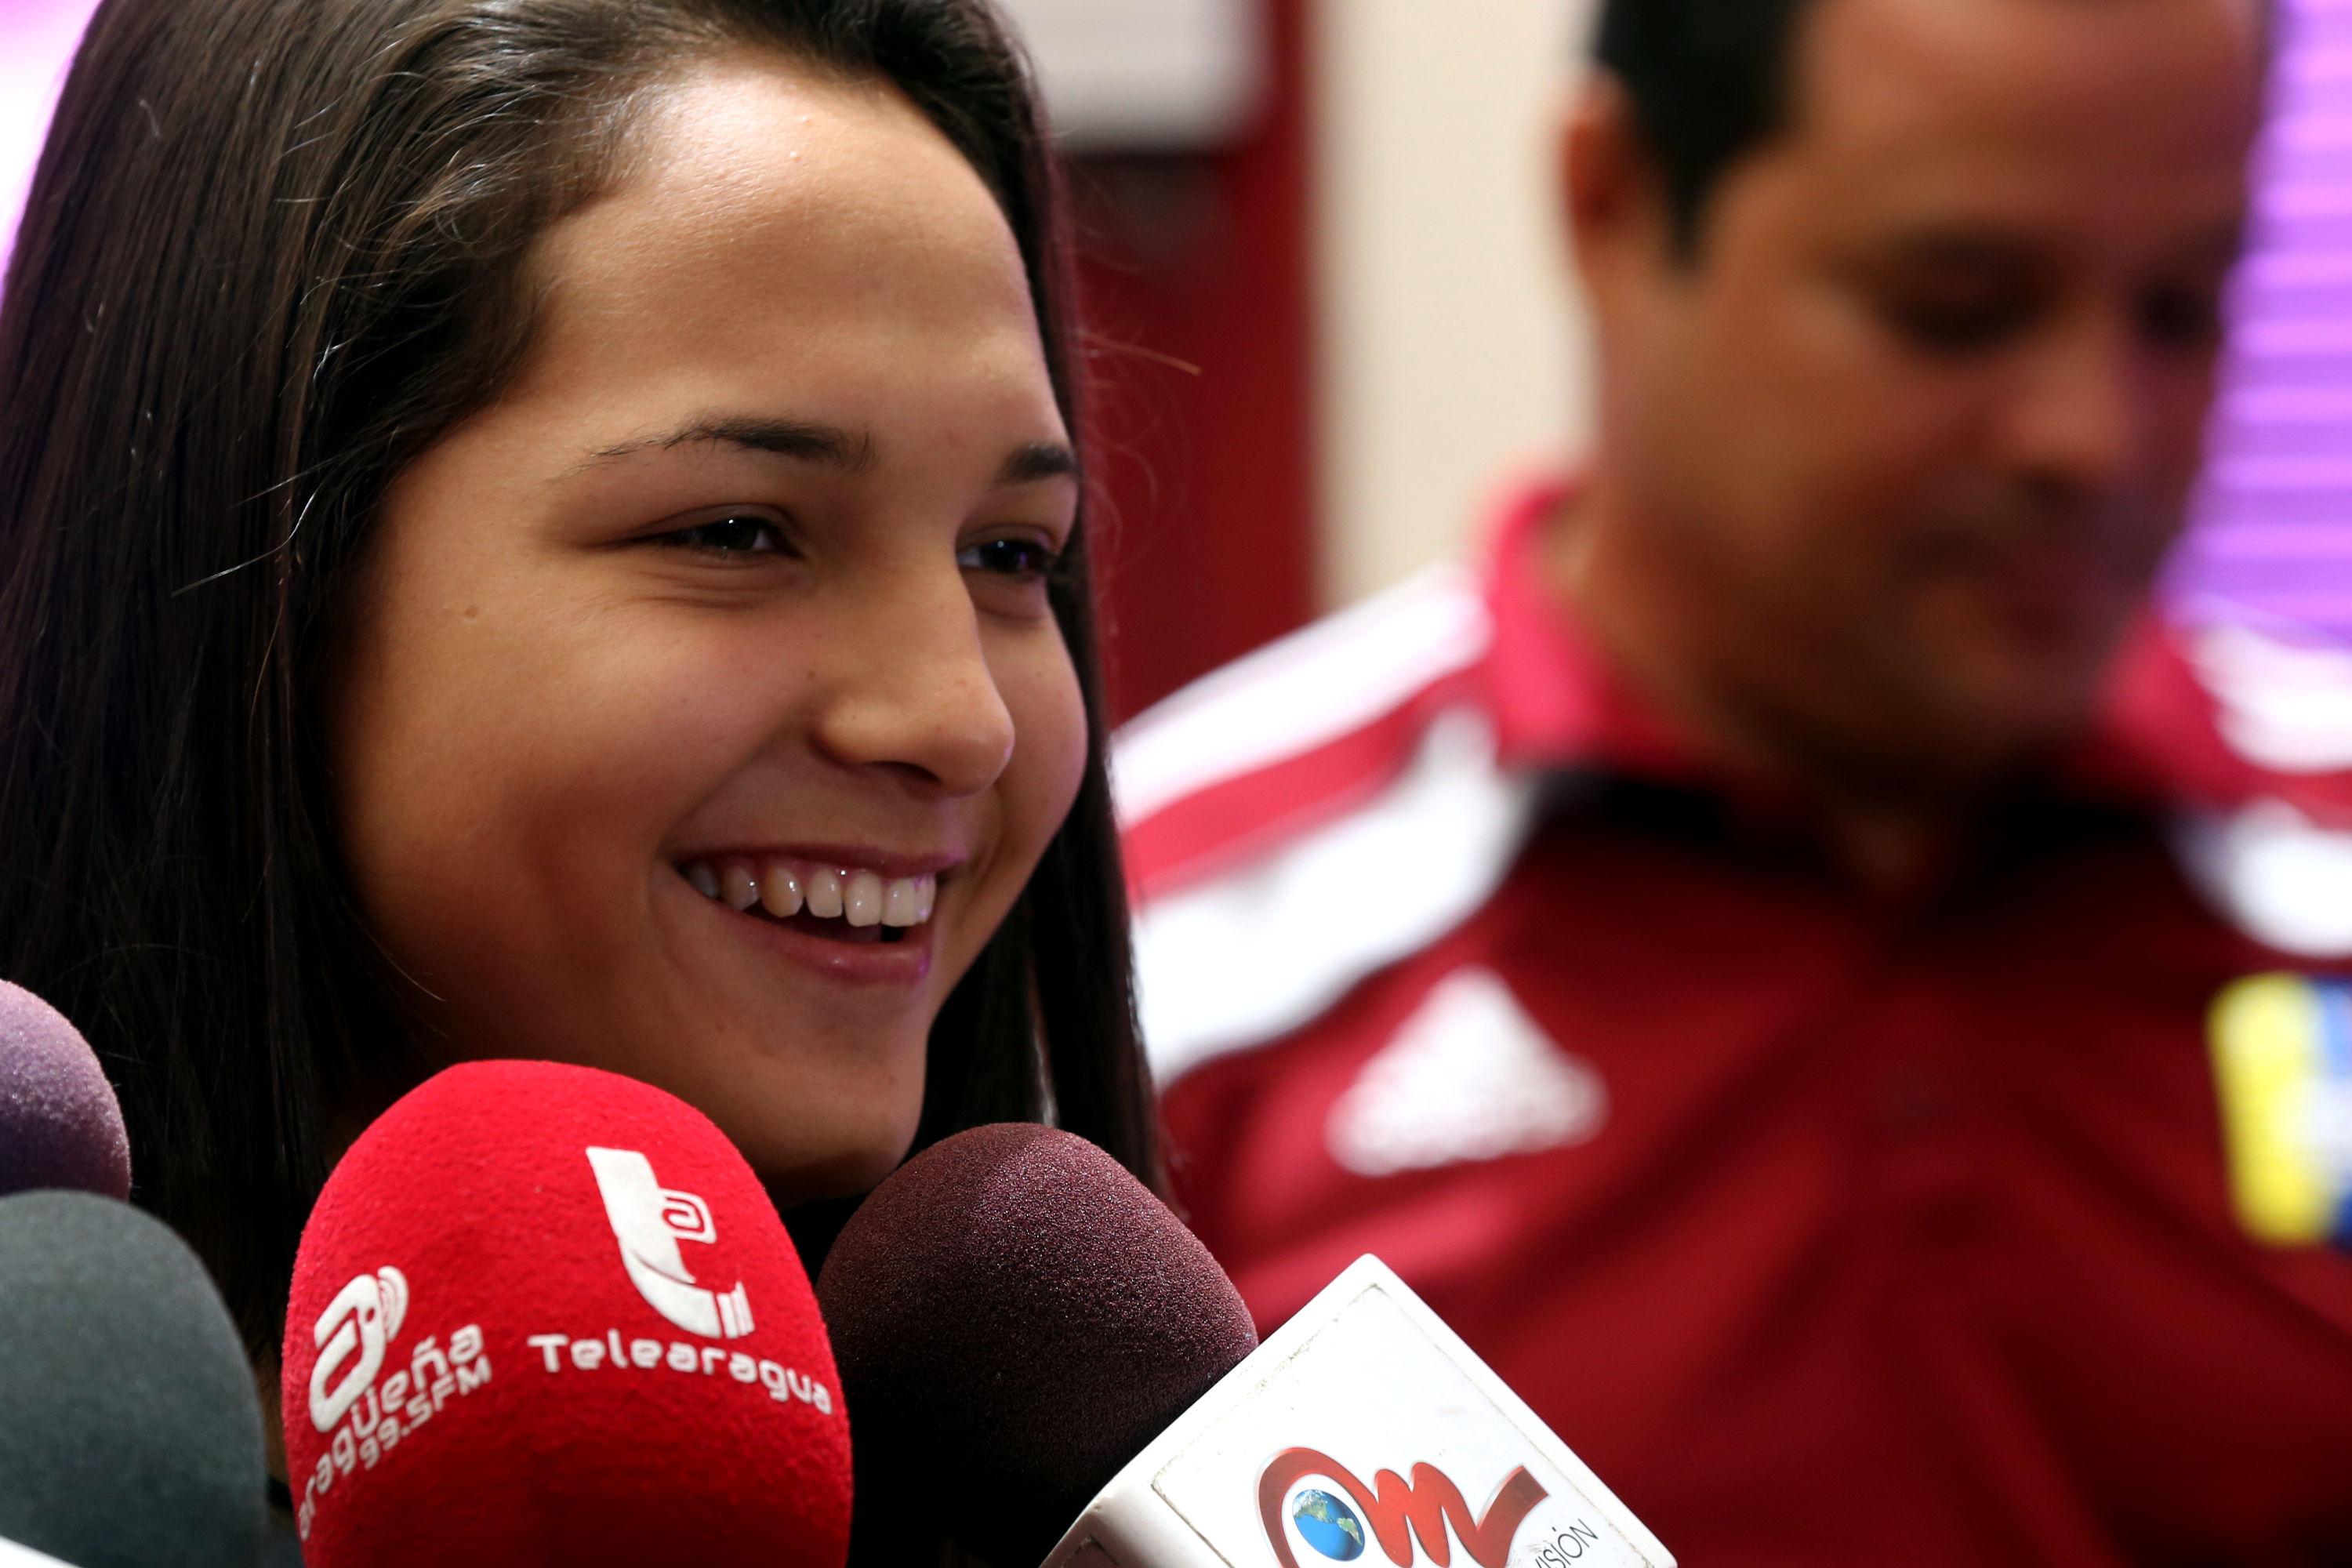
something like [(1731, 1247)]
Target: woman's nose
[(910, 689)]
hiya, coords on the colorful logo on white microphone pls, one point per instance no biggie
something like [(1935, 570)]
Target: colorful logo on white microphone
[(1392, 1511), (649, 1220)]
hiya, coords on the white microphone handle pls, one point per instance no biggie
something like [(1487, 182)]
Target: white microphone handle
[(1362, 1433)]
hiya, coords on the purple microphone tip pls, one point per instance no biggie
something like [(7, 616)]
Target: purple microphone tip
[(60, 1123)]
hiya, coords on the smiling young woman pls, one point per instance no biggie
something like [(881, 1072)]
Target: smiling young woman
[(552, 529)]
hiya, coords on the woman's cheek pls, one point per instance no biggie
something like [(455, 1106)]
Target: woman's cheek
[(1040, 687), (1031, 798)]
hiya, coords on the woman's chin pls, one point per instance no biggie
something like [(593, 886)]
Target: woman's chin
[(845, 1170)]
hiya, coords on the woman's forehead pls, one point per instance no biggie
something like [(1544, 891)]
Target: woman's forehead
[(779, 222), (788, 245), (750, 164)]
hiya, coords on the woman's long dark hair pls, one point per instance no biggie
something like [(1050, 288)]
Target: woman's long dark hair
[(275, 248)]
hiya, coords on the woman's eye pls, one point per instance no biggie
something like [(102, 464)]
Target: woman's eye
[(745, 534), (1026, 559)]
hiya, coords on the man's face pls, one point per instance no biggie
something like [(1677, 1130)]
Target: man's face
[(1911, 430)]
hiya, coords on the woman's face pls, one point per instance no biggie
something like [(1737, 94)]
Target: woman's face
[(702, 713)]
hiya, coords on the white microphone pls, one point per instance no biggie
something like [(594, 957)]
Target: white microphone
[(1021, 1323), (1359, 1424)]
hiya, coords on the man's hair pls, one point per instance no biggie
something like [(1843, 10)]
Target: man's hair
[(1708, 80)]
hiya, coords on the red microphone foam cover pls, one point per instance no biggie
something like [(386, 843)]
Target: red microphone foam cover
[(544, 1314)]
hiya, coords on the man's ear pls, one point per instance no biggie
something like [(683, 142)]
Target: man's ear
[(1612, 196)]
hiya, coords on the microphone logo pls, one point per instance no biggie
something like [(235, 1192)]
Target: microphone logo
[(1396, 1510), (363, 1317), (649, 1220)]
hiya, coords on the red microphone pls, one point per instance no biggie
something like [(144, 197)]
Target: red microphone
[(544, 1314)]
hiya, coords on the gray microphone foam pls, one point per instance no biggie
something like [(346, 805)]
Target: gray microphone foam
[(130, 1430)]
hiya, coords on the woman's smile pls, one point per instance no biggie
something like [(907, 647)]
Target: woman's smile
[(857, 917), (836, 897)]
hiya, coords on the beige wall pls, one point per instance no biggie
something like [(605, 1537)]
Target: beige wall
[(1451, 351)]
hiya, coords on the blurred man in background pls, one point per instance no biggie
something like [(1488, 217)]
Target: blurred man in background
[(1772, 958)]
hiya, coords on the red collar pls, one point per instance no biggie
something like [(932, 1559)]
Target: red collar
[(1558, 702)]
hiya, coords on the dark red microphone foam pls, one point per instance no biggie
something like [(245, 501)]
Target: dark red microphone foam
[(1015, 1317), (547, 1315), (60, 1123)]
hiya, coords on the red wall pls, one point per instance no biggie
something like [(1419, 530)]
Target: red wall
[(1197, 277)]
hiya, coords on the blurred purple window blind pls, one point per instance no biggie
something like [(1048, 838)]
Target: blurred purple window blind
[(2272, 535)]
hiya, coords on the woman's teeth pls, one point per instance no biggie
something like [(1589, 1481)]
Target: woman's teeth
[(824, 889), (787, 888)]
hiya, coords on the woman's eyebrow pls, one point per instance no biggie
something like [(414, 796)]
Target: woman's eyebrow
[(831, 447), (826, 444), (1036, 461)]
